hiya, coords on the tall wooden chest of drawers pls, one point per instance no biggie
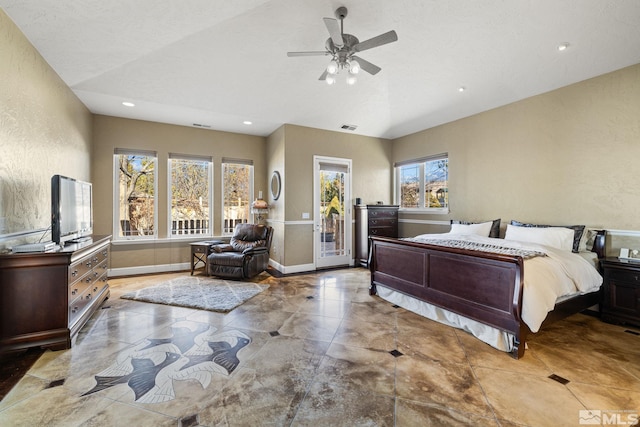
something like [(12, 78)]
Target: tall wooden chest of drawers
[(373, 220)]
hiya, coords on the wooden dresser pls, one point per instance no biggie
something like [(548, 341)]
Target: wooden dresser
[(373, 220), (45, 298)]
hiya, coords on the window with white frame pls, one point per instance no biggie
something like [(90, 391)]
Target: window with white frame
[(423, 184), (190, 196), (135, 188), (237, 191)]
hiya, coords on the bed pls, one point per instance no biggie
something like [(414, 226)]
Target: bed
[(477, 283)]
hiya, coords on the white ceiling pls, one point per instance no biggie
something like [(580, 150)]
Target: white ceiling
[(220, 62)]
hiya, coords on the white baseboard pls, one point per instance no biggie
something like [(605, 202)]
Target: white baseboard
[(148, 269), (290, 269), (167, 268)]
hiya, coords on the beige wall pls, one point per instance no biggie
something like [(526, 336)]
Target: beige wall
[(371, 160), (111, 133), (564, 157), (275, 162), (44, 130)]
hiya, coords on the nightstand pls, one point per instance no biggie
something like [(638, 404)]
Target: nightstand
[(621, 291), (199, 253)]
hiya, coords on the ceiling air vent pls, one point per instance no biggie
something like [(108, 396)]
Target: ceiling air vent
[(348, 127), (198, 125)]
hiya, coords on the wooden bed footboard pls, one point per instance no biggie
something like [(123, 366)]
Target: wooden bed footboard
[(481, 286)]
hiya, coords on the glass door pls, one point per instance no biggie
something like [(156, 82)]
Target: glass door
[(332, 211)]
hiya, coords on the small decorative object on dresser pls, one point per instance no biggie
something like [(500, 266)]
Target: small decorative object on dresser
[(373, 220), (621, 291), (259, 207)]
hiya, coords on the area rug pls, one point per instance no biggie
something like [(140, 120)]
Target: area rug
[(203, 293)]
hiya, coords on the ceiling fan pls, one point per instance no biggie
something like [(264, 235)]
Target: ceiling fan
[(343, 48)]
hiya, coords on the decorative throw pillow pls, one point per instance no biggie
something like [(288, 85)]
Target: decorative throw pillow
[(556, 237), (588, 239), (577, 231), (482, 229), (495, 226)]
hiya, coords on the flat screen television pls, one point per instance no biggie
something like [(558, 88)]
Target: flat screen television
[(71, 210)]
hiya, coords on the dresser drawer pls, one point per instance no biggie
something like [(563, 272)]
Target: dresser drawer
[(79, 269), (383, 213), (79, 305), (102, 267), (102, 255), (383, 231), (79, 287), (631, 276), (382, 222)]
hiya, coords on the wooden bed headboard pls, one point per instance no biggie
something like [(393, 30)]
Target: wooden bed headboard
[(599, 244)]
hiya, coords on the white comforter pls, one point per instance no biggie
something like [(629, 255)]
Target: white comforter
[(547, 279)]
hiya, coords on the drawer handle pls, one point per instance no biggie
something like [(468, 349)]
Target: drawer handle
[(88, 279), (89, 264), (88, 296), (95, 289), (75, 291), (74, 310), (74, 273)]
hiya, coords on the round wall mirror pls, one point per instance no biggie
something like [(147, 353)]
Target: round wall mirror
[(275, 185)]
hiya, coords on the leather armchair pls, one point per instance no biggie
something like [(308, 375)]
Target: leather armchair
[(246, 255)]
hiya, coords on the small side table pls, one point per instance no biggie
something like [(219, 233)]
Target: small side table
[(621, 291), (199, 253)]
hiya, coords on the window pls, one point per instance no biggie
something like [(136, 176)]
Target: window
[(135, 191), (237, 188), (422, 184), (190, 195)]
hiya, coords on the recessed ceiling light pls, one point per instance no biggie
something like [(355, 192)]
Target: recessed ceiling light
[(462, 89), (563, 46), (128, 104), (247, 122)]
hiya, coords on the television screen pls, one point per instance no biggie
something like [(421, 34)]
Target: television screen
[(71, 209)]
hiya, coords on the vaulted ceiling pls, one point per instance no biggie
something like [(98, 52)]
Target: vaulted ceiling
[(218, 63)]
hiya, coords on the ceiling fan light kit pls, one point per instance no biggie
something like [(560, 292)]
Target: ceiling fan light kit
[(342, 49)]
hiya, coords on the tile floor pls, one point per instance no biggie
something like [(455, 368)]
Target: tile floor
[(322, 352)]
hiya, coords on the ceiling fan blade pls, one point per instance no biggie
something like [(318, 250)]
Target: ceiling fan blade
[(367, 66), (323, 76), (334, 31), (309, 53), (385, 38)]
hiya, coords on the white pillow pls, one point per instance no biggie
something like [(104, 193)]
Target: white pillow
[(482, 229), (556, 237)]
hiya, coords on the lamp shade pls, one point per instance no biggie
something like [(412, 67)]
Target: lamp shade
[(259, 204), (354, 67), (332, 68)]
